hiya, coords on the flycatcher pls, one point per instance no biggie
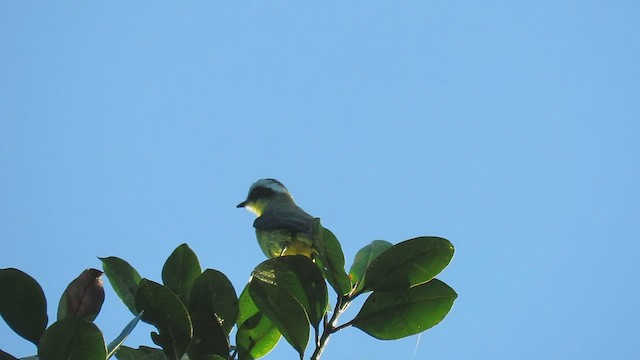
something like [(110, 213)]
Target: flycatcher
[(282, 228)]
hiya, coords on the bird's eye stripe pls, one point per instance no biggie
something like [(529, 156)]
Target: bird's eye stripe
[(260, 193)]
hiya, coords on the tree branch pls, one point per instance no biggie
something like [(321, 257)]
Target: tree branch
[(342, 303)]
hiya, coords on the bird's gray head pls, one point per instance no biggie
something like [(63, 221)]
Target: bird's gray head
[(261, 192)]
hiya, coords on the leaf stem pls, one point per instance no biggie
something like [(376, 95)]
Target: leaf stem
[(330, 327), (340, 327)]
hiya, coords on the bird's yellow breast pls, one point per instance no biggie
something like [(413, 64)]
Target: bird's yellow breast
[(276, 243)]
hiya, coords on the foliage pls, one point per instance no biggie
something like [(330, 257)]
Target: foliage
[(195, 311)]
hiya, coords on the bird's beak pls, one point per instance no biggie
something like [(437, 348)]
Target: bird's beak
[(243, 204)]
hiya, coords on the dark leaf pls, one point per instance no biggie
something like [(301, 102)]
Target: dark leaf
[(141, 353), (22, 304), (408, 263), (283, 310), (363, 259), (330, 258), (124, 279), (83, 297), (163, 309), (5, 356), (72, 338), (299, 277), (389, 315), (213, 292), (209, 338), (213, 306), (180, 271)]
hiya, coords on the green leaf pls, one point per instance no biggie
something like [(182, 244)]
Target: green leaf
[(363, 259), (331, 258), (246, 307), (83, 297), (208, 335), (113, 346), (141, 353), (212, 292), (180, 271), (389, 315), (408, 263), (214, 357), (299, 277), (282, 309), (6, 356), (163, 309), (22, 304), (256, 335), (72, 339), (124, 280), (213, 307)]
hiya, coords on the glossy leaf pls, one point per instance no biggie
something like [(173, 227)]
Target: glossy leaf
[(72, 338), (141, 353), (213, 307), (363, 259), (256, 335), (212, 292), (208, 336), (246, 307), (331, 258), (124, 280), (113, 346), (180, 271), (83, 297), (163, 309), (408, 263), (389, 315), (299, 277), (22, 304), (283, 310)]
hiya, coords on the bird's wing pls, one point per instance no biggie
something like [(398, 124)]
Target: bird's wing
[(284, 220)]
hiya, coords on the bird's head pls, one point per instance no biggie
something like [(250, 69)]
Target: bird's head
[(263, 192)]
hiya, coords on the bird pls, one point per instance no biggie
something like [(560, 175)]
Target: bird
[(282, 227)]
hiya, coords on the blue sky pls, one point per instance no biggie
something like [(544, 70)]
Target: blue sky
[(512, 129)]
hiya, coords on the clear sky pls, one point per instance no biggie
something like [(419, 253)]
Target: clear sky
[(510, 128)]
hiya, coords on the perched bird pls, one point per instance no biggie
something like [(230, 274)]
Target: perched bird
[(282, 228)]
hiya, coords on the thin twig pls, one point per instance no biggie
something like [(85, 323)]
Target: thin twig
[(342, 304), (340, 327), (233, 354)]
